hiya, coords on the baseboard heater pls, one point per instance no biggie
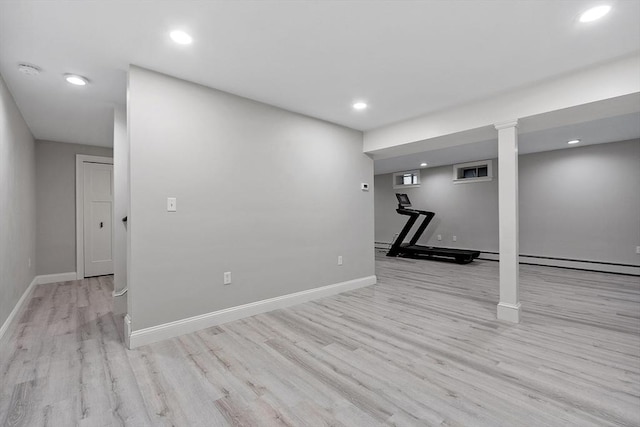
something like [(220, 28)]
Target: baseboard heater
[(575, 264)]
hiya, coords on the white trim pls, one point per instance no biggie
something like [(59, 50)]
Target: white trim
[(55, 278), (80, 159), (16, 310), (120, 304), (577, 264), (470, 180), (119, 293), (509, 312), (127, 331), (415, 172), (513, 123), (545, 262), (487, 163), (184, 326)]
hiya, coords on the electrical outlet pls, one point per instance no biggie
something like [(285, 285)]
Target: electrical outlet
[(339, 259), (227, 278), (638, 249), (455, 238), (439, 236)]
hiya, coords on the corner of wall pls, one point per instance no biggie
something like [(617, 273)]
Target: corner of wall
[(17, 205)]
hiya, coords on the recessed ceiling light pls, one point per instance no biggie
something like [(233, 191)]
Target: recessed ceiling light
[(573, 141), (360, 105), (75, 79), (180, 37), (28, 69), (594, 13), (423, 164)]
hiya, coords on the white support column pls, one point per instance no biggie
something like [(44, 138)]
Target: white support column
[(509, 306)]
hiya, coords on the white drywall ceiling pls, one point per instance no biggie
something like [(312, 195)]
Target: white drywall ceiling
[(405, 58), (611, 129)]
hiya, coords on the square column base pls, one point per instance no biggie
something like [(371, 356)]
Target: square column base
[(509, 312)]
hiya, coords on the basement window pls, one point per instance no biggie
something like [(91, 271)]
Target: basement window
[(406, 179), (473, 172)]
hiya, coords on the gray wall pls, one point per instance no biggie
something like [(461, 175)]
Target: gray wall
[(582, 203), (17, 204), (579, 203), (451, 203), (272, 196), (56, 200), (121, 206)]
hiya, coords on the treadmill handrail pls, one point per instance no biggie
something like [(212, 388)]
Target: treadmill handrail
[(395, 247), (398, 248), (414, 214), (428, 216)]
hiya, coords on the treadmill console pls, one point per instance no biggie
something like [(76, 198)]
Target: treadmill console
[(403, 200)]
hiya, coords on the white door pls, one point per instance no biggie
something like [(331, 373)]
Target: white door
[(98, 219)]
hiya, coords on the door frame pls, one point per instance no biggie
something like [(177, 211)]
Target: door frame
[(81, 159)]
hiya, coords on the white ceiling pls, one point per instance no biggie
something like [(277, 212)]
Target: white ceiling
[(405, 58), (611, 129)]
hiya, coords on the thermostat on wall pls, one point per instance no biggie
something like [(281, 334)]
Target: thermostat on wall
[(364, 186)]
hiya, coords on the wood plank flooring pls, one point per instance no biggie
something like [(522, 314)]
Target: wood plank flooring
[(422, 347)]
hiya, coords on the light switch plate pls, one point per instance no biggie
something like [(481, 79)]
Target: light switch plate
[(171, 204)]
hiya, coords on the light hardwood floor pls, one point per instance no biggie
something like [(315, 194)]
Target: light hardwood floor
[(422, 347)]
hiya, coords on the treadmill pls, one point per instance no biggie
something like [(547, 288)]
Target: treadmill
[(412, 249)]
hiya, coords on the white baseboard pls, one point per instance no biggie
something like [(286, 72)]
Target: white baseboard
[(570, 263), (16, 310), (509, 312), (577, 264), (127, 331), (55, 278), (120, 304), (196, 323), (38, 280)]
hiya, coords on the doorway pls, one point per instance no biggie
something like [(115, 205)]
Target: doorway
[(94, 216)]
